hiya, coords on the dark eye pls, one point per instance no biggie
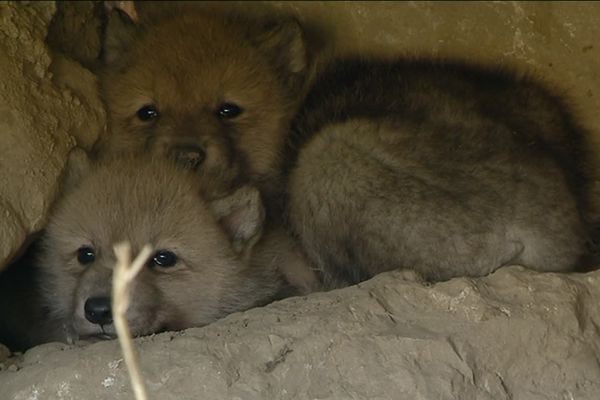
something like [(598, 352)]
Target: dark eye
[(164, 258), (229, 111), (147, 113), (85, 255)]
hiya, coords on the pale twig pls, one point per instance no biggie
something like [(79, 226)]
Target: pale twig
[(123, 275)]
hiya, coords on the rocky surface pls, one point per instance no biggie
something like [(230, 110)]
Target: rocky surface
[(516, 334), (48, 105)]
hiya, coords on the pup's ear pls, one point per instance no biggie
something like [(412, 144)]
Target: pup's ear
[(120, 29), (242, 216), (284, 43)]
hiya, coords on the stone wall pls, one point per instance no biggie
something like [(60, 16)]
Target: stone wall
[(516, 334), (49, 105)]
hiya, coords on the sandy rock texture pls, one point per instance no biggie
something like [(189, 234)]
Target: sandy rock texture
[(516, 334), (48, 106)]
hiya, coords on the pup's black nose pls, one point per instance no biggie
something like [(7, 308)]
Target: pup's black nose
[(188, 155), (97, 310)]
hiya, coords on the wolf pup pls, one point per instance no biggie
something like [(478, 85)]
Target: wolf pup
[(201, 269), (212, 92), (442, 167), (445, 168)]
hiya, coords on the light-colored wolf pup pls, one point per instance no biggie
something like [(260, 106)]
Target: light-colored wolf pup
[(209, 258), (445, 168)]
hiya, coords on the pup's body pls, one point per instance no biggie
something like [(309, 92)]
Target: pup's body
[(447, 169), (198, 272)]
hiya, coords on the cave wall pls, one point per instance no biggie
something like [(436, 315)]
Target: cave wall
[(49, 105)]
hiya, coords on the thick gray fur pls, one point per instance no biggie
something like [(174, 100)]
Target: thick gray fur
[(447, 169)]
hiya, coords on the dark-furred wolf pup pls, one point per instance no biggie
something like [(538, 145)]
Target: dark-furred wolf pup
[(444, 168)]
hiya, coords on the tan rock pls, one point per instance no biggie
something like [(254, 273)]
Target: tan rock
[(46, 109), (516, 334)]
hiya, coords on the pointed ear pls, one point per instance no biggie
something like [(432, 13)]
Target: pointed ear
[(242, 216), (284, 43), (120, 29)]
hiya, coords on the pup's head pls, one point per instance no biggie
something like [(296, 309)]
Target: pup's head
[(213, 92), (197, 272)]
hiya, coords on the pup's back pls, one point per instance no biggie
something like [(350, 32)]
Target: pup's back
[(445, 168)]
